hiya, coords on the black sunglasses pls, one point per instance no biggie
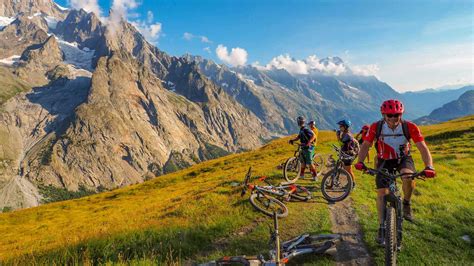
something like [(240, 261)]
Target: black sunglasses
[(394, 115)]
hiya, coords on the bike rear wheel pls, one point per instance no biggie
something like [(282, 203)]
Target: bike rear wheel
[(268, 205), (390, 236), (336, 185), (291, 169)]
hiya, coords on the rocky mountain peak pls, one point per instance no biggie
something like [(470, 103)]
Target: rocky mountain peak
[(11, 8), (331, 59), (81, 27)]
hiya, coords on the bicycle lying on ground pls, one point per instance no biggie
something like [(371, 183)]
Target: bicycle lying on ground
[(337, 183), (282, 253), (292, 166), (263, 197), (392, 218)]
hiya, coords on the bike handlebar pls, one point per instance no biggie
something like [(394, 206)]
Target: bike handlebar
[(374, 172)]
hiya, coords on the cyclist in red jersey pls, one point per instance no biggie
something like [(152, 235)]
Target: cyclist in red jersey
[(392, 136)]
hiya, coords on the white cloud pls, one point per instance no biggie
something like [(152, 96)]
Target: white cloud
[(119, 12), (236, 57), (204, 39), (149, 16), (289, 64), (328, 66), (207, 49), (151, 32), (87, 5), (365, 70), (189, 36), (123, 10)]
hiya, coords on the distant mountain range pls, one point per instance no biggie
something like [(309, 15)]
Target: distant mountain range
[(423, 102), (463, 106), (85, 104)]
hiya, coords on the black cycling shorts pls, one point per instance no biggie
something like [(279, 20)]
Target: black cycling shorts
[(392, 165), (348, 162)]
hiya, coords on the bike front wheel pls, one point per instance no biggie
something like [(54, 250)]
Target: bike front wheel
[(391, 237), (336, 185), (268, 205), (291, 170)]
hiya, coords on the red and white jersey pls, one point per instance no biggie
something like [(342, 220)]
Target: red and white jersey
[(392, 142)]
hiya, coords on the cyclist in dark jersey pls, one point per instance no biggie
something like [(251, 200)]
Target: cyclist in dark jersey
[(344, 135), (393, 152), (306, 138)]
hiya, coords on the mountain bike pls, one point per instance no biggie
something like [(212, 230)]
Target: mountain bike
[(337, 183), (292, 166), (282, 253), (392, 218), (263, 197)]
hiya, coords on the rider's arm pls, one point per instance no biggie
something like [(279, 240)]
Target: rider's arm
[(338, 135), (425, 153), (364, 150), (368, 141)]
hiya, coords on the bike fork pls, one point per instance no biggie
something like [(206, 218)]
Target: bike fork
[(277, 239), (399, 221)]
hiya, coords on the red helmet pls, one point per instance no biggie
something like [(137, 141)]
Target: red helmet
[(392, 107), (365, 127)]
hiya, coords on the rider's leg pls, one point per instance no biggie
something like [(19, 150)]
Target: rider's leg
[(408, 187), (381, 192), (314, 174), (303, 167), (408, 184), (348, 168)]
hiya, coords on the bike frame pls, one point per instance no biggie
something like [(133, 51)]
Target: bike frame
[(279, 191), (393, 198)]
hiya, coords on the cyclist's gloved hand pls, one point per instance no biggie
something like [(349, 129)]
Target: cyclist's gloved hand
[(429, 172), (308, 144), (360, 166)]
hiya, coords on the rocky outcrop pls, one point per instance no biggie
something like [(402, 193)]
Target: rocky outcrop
[(9, 8), (131, 127), (22, 33), (38, 60)]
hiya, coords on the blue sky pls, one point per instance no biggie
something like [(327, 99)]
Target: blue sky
[(411, 45)]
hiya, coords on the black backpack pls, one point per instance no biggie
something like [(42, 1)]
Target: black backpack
[(378, 132)]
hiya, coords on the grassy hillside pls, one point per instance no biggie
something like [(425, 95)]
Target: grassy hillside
[(197, 214), (10, 85)]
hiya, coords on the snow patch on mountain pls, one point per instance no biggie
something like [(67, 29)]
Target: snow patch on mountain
[(52, 22), (10, 60), (5, 21), (81, 59)]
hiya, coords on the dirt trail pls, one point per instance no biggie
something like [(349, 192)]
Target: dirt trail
[(351, 251)]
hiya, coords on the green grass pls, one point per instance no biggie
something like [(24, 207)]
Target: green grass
[(197, 214), (10, 85), (443, 207)]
